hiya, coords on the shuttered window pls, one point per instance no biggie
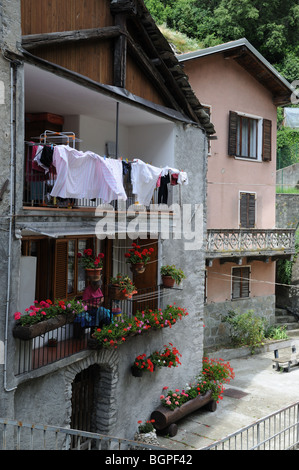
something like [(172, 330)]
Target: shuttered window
[(243, 138), (240, 282), (266, 152), (61, 269), (247, 210)]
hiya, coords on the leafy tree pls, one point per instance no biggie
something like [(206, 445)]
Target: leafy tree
[(271, 26)]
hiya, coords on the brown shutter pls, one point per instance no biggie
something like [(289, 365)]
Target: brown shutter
[(266, 152), (60, 269), (251, 210), (240, 282), (232, 134), (236, 282), (247, 210)]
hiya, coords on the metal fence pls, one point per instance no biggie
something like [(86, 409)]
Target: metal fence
[(277, 431), (16, 435), (73, 338)]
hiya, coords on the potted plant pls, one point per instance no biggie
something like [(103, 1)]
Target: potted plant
[(171, 275), (206, 390), (138, 258), (146, 433), (46, 316), (121, 287), (92, 264), (141, 364), (169, 357)]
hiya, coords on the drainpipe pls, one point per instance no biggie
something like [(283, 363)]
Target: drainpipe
[(11, 212)]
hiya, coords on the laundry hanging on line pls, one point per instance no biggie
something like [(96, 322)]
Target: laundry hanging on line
[(84, 174)]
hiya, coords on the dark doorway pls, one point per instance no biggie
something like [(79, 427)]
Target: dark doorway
[(83, 393)]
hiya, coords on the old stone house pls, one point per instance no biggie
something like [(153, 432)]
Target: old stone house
[(95, 77), (241, 92)]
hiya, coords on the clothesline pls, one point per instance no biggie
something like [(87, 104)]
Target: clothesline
[(88, 175)]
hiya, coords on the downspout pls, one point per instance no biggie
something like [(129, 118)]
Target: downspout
[(11, 213)]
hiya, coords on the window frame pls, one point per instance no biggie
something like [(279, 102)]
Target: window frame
[(247, 278), (263, 140)]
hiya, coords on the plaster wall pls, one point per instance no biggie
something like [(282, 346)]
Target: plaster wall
[(223, 85)]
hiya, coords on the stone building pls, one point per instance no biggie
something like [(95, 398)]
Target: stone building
[(241, 92), (98, 78)]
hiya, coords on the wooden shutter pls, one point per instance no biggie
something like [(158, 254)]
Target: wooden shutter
[(267, 133), (60, 269), (247, 210), (232, 133), (240, 282)]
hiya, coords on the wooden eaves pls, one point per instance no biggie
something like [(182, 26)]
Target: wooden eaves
[(135, 32)]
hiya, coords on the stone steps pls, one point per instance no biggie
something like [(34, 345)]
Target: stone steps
[(283, 317)]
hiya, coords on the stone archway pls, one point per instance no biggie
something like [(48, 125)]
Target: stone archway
[(105, 409)]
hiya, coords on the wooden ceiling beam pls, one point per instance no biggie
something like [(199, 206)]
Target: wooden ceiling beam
[(49, 39)]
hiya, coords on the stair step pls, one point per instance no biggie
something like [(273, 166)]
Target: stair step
[(285, 319)]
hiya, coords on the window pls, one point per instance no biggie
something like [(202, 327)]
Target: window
[(249, 137), (58, 273), (247, 210), (240, 282)]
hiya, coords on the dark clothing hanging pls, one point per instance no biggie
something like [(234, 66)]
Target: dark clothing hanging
[(163, 190), (47, 156)]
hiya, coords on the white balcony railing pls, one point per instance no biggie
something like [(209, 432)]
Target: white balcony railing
[(226, 242)]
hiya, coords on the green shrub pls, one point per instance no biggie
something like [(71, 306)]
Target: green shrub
[(246, 329)]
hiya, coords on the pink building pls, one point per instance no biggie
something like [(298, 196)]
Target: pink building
[(241, 92)]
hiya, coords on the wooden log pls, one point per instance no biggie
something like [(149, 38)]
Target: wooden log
[(164, 416)]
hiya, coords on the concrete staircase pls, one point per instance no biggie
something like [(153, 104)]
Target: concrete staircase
[(284, 317)]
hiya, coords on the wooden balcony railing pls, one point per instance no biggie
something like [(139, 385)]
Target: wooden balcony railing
[(248, 242)]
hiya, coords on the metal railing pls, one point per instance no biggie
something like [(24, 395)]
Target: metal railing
[(227, 241), (16, 435), (72, 338), (277, 431)]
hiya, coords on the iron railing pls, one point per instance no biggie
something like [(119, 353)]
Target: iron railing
[(16, 435), (277, 431), (73, 337), (224, 242)]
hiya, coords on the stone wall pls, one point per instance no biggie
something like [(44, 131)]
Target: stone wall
[(287, 215), (216, 332)]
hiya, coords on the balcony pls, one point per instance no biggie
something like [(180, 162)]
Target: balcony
[(254, 243), (72, 338)]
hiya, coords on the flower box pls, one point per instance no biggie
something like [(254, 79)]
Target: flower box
[(28, 332), (165, 418)]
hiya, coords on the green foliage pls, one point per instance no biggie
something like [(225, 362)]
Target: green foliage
[(247, 329), (276, 332), (284, 267), (270, 25)]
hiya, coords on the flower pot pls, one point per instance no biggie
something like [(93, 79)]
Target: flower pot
[(168, 281), (116, 293), (137, 268), (164, 417), (136, 372), (93, 274), (37, 329)]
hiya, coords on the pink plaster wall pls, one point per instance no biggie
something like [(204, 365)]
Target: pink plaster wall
[(224, 85), (219, 280)]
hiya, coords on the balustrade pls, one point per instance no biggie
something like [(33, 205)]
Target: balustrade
[(250, 241)]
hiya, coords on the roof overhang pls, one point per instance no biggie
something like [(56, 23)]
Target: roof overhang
[(254, 63), (61, 91)]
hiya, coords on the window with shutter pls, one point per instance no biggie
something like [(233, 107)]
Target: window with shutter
[(249, 137), (60, 269), (267, 133), (247, 210), (240, 282)]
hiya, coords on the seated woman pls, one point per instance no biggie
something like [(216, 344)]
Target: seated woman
[(93, 297)]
